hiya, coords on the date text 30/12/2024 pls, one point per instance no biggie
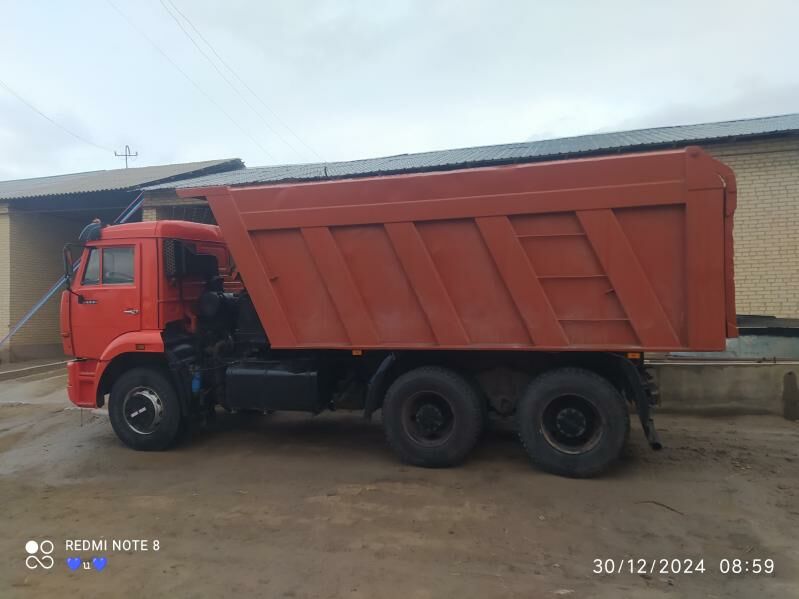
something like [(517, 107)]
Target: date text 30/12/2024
[(682, 566)]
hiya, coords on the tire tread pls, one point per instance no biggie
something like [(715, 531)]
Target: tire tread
[(473, 414), (577, 470)]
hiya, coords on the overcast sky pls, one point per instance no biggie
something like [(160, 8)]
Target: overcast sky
[(342, 80)]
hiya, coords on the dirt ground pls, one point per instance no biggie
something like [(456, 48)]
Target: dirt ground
[(299, 506)]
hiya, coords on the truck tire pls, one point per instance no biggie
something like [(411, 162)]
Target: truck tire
[(573, 422), (144, 410), (432, 417)]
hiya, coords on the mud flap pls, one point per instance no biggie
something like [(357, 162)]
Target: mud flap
[(647, 423), (376, 387), (644, 395)]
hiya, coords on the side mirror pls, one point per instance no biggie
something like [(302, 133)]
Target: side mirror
[(70, 266)]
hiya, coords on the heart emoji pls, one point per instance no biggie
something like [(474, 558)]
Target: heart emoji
[(99, 562), (73, 563)]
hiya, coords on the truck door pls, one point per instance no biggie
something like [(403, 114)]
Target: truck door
[(107, 298)]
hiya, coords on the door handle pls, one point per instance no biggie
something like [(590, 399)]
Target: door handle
[(133, 311)]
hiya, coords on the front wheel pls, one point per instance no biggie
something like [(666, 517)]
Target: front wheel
[(433, 417), (573, 422), (144, 410)]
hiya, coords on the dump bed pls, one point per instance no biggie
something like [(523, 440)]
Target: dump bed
[(630, 252)]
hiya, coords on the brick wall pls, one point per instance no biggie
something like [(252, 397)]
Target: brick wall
[(5, 277), (165, 206), (766, 224), (35, 241)]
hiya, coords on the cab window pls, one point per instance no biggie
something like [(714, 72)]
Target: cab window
[(117, 266), (92, 274), (109, 266)]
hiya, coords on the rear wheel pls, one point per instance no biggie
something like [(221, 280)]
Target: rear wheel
[(573, 422), (144, 410), (432, 417)]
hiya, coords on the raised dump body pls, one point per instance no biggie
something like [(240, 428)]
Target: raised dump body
[(630, 252)]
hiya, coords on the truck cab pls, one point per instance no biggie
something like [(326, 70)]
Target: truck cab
[(126, 296)]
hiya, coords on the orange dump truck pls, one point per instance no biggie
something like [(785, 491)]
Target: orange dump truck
[(441, 299)]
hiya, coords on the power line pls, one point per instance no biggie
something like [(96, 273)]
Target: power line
[(244, 83), (189, 79), (51, 121), (222, 74)]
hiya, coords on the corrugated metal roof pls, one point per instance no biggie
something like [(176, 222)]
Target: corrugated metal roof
[(641, 139), (117, 179)]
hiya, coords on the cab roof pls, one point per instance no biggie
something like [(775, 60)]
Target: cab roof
[(173, 229)]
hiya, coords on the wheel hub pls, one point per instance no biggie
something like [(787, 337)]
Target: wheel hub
[(143, 410), (429, 418), (571, 423)]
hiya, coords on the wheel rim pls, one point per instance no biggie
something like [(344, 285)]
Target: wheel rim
[(143, 410), (428, 419), (571, 424)]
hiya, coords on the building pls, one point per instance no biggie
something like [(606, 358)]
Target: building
[(38, 216), (764, 153)]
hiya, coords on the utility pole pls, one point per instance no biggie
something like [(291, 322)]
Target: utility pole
[(127, 154)]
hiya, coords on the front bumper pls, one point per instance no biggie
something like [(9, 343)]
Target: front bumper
[(83, 376)]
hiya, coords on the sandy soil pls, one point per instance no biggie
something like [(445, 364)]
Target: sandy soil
[(299, 506)]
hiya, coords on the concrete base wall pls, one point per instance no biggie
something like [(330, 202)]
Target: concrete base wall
[(752, 347), (719, 388), (35, 351)]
